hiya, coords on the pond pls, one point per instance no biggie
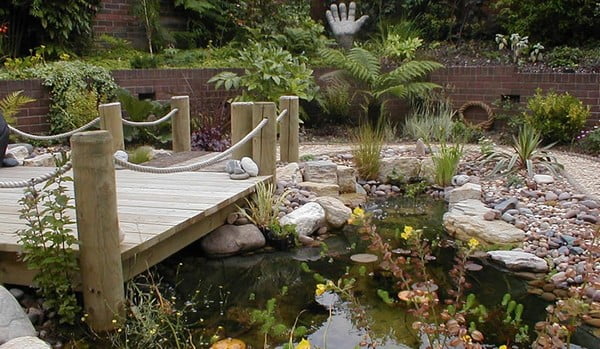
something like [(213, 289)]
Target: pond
[(232, 287)]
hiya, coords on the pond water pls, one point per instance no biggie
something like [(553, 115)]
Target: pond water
[(233, 287)]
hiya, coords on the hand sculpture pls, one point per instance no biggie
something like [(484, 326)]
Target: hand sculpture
[(343, 24)]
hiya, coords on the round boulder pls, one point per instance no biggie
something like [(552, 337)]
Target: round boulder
[(229, 240), (336, 213)]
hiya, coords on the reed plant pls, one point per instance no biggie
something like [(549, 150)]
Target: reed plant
[(368, 140), (263, 208), (446, 163)]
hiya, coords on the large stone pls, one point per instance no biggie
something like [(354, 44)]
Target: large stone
[(26, 145), (468, 191), (14, 322), (399, 169), (43, 160), (353, 199), (19, 153), (519, 261), (321, 189), (428, 170), (289, 173), (27, 342), (307, 218), (229, 240), (249, 166), (321, 172), (543, 179), (420, 148), (506, 204), (465, 220), (336, 213), (346, 179)]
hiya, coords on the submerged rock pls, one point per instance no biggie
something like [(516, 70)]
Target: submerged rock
[(519, 261)]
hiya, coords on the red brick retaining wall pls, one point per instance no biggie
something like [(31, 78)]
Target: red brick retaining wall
[(462, 84)]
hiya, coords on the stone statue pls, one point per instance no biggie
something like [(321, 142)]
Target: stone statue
[(8, 162), (343, 23)]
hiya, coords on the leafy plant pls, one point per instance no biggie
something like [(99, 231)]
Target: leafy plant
[(336, 103), (141, 154), (264, 206), (269, 325), (144, 110), (12, 103), (431, 120), (362, 69), (527, 154), (144, 62), (589, 141), (445, 163), (269, 73), (519, 47), (48, 243), (74, 82), (213, 132), (367, 144), (565, 56), (558, 117)]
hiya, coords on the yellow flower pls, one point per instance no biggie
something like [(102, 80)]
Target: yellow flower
[(408, 230), (473, 243), (304, 344), (321, 288), (466, 338), (502, 347), (359, 212)]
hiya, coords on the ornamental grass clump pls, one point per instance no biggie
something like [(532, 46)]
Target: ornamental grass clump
[(526, 155), (446, 162), (264, 207), (368, 141)]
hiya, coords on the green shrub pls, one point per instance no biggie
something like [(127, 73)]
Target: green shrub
[(564, 56), (144, 61), (185, 40), (76, 89), (336, 103), (558, 117), (589, 141), (141, 154), (139, 111)]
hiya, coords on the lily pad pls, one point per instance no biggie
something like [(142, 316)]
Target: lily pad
[(425, 286), (470, 266), (364, 258)]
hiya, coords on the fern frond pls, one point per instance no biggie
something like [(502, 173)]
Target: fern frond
[(363, 65), (408, 89), (12, 103), (412, 70)]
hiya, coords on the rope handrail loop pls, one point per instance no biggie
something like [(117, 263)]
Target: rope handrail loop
[(195, 166), (37, 180), (53, 137), (282, 115), (150, 123)]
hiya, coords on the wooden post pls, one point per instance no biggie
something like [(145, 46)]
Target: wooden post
[(110, 120), (264, 144), (289, 129), (98, 227), (241, 125), (182, 140)]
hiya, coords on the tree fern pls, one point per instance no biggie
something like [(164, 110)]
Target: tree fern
[(12, 103)]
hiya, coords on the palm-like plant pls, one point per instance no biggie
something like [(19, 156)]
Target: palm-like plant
[(527, 154), (362, 68)]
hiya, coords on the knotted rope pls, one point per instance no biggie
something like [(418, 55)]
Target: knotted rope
[(150, 123), (53, 137), (37, 180), (195, 166)]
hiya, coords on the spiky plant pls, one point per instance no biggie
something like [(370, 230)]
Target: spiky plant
[(363, 69), (264, 206), (527, 155), (368, 141)]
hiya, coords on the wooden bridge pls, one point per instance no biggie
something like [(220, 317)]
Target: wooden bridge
[(158, 214)]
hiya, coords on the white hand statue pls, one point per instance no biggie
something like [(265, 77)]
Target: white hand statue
[(343, 24)]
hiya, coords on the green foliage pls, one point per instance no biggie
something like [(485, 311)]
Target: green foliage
[(465, 132), (144, 62), (589, 141), (556, 22), (12, 103), (362, 69), (154, 319), (336, 104), (558, 117), (565, 56), (269, 325), (486, 146), (445, 163), (140, 111), (431, 120), (76, 89), (48, 243), (141, 154), (527, 154), (367, 144), (269, 73), (520, 48), (148, 12), (264, 205)]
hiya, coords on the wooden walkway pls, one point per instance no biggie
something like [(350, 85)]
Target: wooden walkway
[(158, 213)]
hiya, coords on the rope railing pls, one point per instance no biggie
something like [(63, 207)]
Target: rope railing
[(150, 123), (54, 137), (195, 166), (282, 115), (37, 180)]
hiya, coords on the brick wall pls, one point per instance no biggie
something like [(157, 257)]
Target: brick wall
[(489, 84), (115, 18), (462, 84)]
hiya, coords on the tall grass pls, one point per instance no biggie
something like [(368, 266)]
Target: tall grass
[(368, 140), (446, 163), (431, 121)]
